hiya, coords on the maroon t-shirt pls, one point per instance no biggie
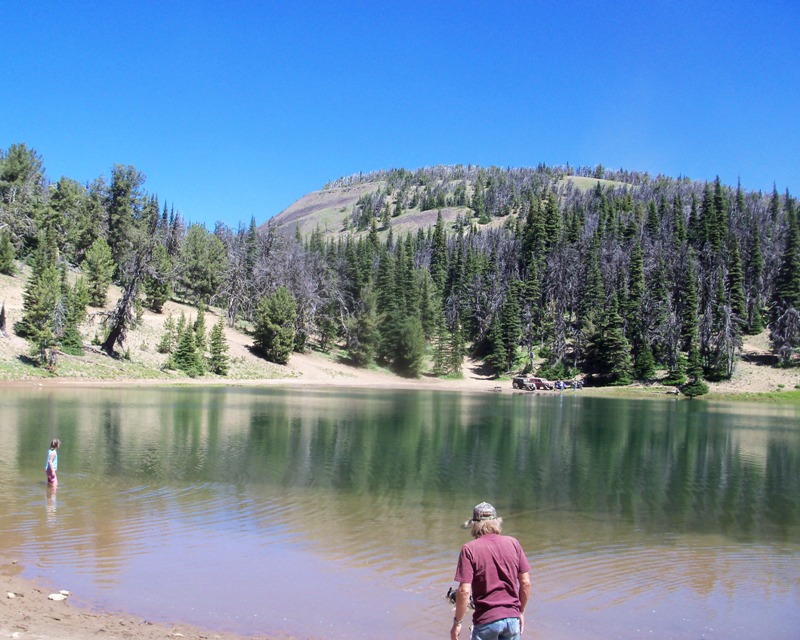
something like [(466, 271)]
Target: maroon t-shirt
[(492, 563)]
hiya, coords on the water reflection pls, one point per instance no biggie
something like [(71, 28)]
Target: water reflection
[(253, 497)]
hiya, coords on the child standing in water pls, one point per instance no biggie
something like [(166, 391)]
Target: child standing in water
[(51, 466)]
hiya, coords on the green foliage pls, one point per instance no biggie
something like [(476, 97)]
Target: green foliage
[(124, 203), (218, 360), (274, 330), (7, 254), (169, 337), (496, 356), (99, 267), (610, 356), (644, 365), (203, 260), (200, 329), (21, 195), (187, 358), (157, 284), (695, 386), (361, 332), (557, 371), (52, 309), (410, 353), (677, 375)]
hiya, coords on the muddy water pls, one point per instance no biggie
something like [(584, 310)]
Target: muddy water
[(331, 514)]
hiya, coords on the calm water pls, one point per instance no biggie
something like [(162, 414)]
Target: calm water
[(335, 514)]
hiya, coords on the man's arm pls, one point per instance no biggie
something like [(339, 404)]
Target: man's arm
[(524, 594), (462, 600)]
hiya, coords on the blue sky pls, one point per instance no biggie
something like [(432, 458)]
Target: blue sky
[(237, 109)]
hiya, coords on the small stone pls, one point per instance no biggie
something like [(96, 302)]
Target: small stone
[(57, 597), (11, 595), (64, 592)]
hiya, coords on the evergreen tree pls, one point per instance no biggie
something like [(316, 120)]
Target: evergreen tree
[(785, 323), (441, 346), (754, 274), (203, 261), (186, 357), (676, 376), (7, 254), (99, 267), (695, 385), (157, 284), (274, 332), (44, 307), (644, 364), (496, 356), (438, 267), (511, 324), (611, 353), (361, 332), (218, 348), (457, 350), (200, 330), (76, 298), (410, 353), (735, 285), (169, 337), (689, 304), (124, 205), (552, 220)]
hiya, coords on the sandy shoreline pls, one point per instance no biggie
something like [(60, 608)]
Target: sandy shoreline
[(27, 613)]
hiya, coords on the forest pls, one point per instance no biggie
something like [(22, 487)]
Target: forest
[(611, 275)]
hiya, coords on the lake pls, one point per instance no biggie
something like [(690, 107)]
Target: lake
[(331, 513)]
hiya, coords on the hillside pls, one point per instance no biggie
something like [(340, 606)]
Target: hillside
[(334, 209), (143, 363)]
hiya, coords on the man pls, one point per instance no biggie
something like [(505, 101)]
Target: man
[(492, 569)]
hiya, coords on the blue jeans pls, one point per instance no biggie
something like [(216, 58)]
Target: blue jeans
[(503, 629)]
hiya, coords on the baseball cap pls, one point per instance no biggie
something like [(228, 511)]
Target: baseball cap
[(483, 511)]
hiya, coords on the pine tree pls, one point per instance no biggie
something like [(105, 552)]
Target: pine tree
[(157, 285), (511, 324), (785, 324), (169, 337), (438, 267), (76, 298), (274, 332), (735, 284), (361, 332), (611, 352), (218, 349), (410, 350), (186, 357), (689, 304), (440, 346), (457, 350), (7, 254), (695, 385), (99, 267), (200, 330), (496, 356), (755, 270)]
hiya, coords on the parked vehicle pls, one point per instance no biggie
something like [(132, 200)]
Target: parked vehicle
[(531, 383)]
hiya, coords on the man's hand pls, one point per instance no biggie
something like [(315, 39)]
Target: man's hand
[(462, 599)]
